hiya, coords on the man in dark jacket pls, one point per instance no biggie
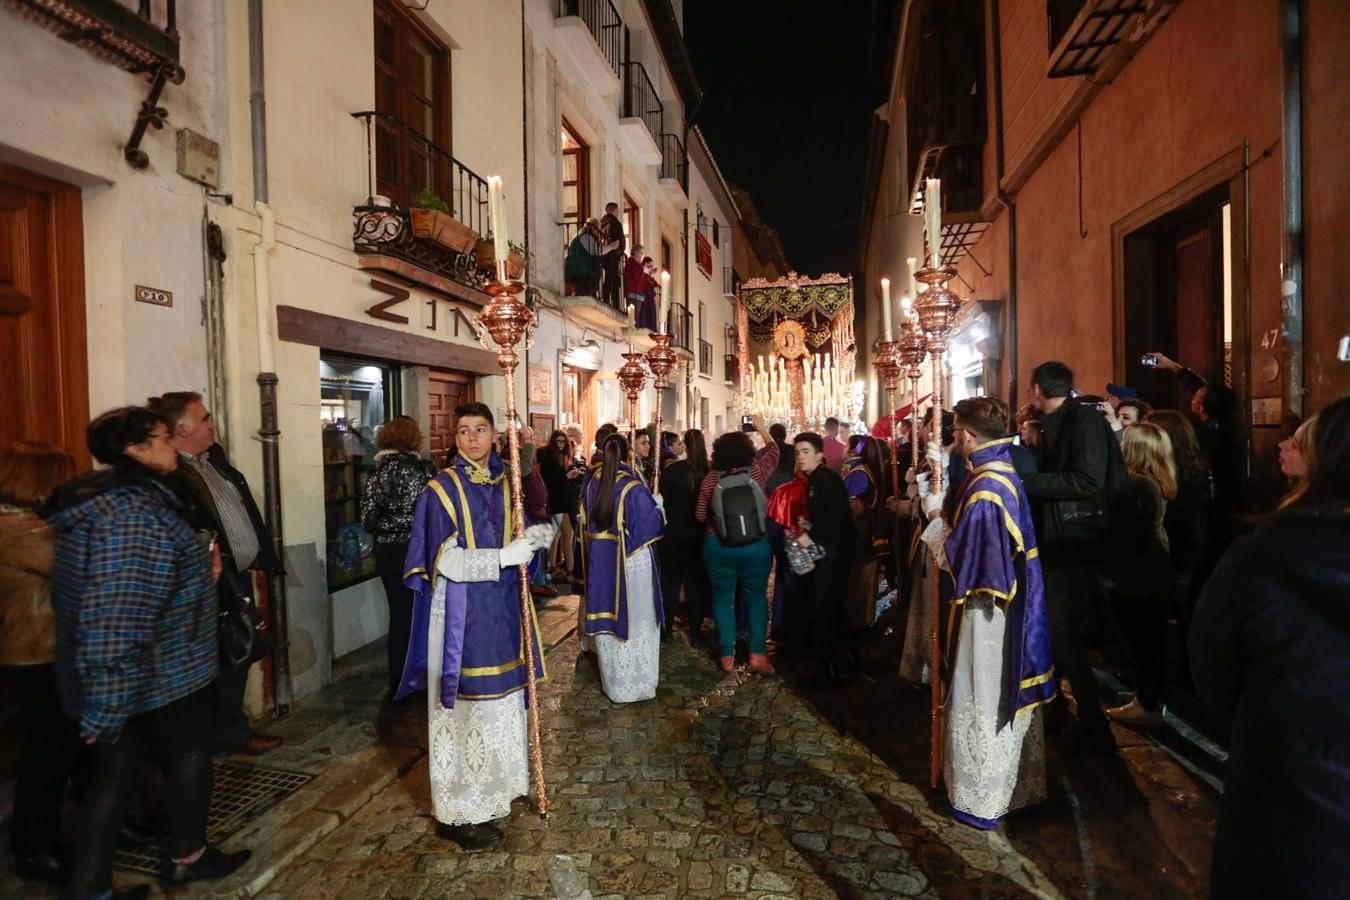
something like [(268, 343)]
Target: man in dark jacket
[(831, 527), (612, 228), (1081, 477), (206, 478)]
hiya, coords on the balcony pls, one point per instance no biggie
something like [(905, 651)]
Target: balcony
[(592, 35), (705, 358), (643, 115), (680, 325), (731, 283), (1082, 32), (111, 30), (388, 236), (674, 168), (585, 300)]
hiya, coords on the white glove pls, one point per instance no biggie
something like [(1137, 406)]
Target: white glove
[(935, 537), (921, 482), (934, 454), (909, 476), (932, 503), (517, 553), (660, 506), (541, 536)]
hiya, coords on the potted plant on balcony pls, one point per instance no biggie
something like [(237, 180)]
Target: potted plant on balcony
[(434, 220), (517, 257)]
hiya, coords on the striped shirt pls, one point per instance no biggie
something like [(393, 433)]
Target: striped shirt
[(230, 510)]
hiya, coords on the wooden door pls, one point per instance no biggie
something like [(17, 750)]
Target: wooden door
[(1191, 281), (446, 391), (44, 380)]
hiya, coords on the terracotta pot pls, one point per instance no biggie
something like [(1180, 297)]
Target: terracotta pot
[(486, 254), (443, 228)]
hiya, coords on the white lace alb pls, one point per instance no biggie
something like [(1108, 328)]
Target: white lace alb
[(629, 669)]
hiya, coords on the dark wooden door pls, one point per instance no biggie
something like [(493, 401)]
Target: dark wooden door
[(447, 390), (1191, 282), (44, 381)]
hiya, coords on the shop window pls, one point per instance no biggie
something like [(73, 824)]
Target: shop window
[(356, 398)]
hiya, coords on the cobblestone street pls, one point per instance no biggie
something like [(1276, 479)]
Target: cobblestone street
[(732, 785)]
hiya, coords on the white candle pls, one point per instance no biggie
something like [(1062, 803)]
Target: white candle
[(932, 209), (497, 211), (913, 265), (632, 326), (665, 301), (886, 308)]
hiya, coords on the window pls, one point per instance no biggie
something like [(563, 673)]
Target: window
[(702, 321), (356, 398), (576, 205), (632, 221), (412, 94), (665, 257), (717, 242)]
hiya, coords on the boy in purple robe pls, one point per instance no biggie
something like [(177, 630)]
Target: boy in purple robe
[(620, 523), (997, 669), (467, 643)]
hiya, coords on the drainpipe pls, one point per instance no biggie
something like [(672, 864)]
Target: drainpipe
[(269, 431), (1005, 201), (1291, 226)]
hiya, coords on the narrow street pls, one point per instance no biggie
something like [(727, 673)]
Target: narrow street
[(723, 786)]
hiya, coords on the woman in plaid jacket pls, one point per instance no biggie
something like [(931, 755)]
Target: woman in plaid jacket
[(136, 645)]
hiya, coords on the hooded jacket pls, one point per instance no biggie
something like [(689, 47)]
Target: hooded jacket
[(25, 565)]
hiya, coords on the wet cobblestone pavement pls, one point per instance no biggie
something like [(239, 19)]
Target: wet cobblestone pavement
[(733, 785)]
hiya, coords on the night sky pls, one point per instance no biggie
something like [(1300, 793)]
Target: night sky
[(787, 109)]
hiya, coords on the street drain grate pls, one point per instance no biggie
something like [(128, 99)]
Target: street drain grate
[(241, 793)]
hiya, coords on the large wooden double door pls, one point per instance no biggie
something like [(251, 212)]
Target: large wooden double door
[(44, 380)]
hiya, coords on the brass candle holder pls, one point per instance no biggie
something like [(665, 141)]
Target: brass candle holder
[(911, 350), (661, 360), (506, 319), (936, 310), (633, 376), (888, 367)]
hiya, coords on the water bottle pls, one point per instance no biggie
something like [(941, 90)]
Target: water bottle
[(568, 883)]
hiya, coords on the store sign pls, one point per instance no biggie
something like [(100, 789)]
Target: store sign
[(541, 386), (703, 254), (198, 158)]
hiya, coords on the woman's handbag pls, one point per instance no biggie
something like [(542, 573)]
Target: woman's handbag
[(801, 559), (244, 636)]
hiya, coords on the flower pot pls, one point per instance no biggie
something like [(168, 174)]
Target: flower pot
[(442, 228), (486, 254)]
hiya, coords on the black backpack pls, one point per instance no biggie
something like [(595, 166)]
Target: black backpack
[(739, 509)]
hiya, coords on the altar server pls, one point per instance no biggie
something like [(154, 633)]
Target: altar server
[(620, 521), (467, 645), (997, 668), (865, 479)]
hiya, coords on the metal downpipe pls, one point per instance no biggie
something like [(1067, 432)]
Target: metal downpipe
[(269, 430), (1291, 224), (1005, 201)]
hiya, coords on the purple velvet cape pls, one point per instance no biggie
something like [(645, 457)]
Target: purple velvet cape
[(483, 659), (992, 549), (637, 523)]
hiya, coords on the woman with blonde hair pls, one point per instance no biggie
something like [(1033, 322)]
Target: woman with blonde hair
[(1298, 457), (1143, 581)]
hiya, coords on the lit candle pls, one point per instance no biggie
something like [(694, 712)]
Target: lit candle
[(497, 211), (886, 308), (913, 265), (665, 300), (632, 326), (932, 209)]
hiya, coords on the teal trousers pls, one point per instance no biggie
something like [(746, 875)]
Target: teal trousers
[(742, 571)]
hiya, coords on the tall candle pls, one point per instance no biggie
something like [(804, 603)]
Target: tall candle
[(632, 326), (913, 265), (886, 308), (497, 211), (665, 301), (932, 208)]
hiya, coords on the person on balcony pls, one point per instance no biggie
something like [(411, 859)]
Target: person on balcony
[(582, 266), (611, 232), (637, 287)]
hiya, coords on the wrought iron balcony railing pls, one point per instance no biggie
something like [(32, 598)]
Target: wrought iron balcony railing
[(674, 161), (680, 326), (383, 222), (603, 22), (705, 357), (640, 99)]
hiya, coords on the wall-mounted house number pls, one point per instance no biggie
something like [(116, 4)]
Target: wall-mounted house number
[(153, 296)]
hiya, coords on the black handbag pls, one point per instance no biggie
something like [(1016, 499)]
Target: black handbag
[(244, 635)]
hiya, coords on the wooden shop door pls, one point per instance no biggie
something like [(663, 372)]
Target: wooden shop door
[(44, 378), (446, 391)]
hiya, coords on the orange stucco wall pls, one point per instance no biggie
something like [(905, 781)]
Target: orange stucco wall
[(1177, 107)]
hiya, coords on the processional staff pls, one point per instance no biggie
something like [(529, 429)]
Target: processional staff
[(507, 319)]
